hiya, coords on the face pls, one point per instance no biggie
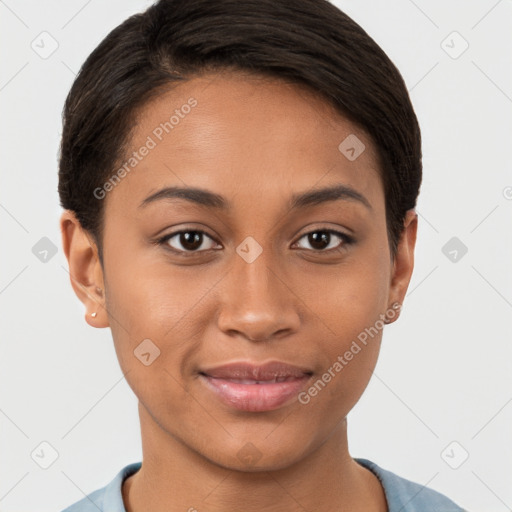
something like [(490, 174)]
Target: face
[(253, 266)]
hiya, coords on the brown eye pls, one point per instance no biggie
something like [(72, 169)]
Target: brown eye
[(188, 241), (324, 240)]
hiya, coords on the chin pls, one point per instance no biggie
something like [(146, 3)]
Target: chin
[(258, 455)]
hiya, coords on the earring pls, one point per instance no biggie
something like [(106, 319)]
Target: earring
[(94, 314)]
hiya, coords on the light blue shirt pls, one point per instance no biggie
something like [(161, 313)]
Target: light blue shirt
[(402, 495)]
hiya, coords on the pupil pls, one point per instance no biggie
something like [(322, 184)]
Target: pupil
[(319, 239), (190, 242)]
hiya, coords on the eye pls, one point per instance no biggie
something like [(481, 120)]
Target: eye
[(188, 241), (192, 241), (322, 240)]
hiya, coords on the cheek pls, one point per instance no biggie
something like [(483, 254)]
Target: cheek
[(356, 294), (153, 328), (348, 355), (351, 309), (149, 298), (160, 303)]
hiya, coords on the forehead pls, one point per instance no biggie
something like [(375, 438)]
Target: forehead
[(246, 134)]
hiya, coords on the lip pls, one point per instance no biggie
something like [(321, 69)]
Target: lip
[(255, 388)]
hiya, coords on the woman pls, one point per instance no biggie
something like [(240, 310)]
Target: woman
[(239, 181)]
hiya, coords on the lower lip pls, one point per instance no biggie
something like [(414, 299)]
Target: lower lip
[(255, 397)]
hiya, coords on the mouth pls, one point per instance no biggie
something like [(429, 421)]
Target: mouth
[(249, 387)]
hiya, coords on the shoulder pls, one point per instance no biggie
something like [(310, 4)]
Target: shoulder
[(407, 496), (108, 498)]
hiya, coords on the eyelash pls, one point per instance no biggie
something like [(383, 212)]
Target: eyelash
[(347, 240)]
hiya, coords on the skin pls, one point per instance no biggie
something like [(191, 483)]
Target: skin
[(256, 142)]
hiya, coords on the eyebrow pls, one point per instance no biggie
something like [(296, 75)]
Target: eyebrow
[(302, 200)]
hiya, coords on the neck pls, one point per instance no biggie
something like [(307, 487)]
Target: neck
[(175, 478)]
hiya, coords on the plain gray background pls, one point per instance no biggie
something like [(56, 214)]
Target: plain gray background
[(442, 389)]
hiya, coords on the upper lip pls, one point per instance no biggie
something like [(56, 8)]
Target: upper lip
[(246, 370)]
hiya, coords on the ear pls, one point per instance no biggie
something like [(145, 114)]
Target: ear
[(403, 264), (85, 269)]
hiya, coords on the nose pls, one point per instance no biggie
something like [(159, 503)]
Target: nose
[(258, 301)]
